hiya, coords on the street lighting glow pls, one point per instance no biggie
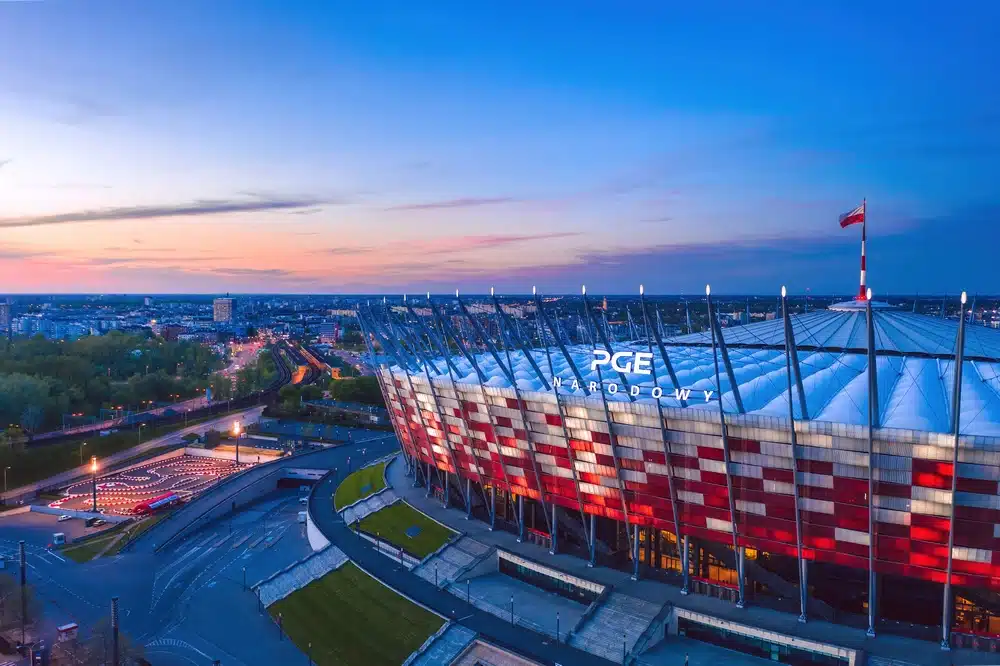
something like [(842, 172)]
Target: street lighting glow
[(708, 290), (784, 292), (236, 428), (93, 464)]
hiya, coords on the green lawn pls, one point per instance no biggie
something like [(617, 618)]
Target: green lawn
[(353, 620), (88, 550), (359, 485), (392, 522)]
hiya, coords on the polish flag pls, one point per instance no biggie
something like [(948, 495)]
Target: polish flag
[(856, 216)]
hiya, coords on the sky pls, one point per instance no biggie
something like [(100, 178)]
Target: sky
[(386, 147)]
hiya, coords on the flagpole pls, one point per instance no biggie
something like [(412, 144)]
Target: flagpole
[(862, 293)]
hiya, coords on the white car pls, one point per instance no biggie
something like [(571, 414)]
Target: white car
[(63, 518)]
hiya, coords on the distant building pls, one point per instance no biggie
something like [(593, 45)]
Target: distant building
[(148, 301), (222, 310), (329, 332), (5, 318)]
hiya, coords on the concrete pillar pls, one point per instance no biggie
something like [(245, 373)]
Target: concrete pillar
[(635, 552), (428, 479), (685, 549), (593, 541), (468, 498), (740, 555), (447, 488), (554, 546), (804, 591), (872, 601), (493, 507), (520, 518)]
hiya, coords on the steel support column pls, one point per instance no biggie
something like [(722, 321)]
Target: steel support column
[(956, 427), (635, 552), (612, 437), (520, 518), (791, 359), (493, 507), (733, 385), (592, 541), (664, 440), (716, 344), (520, 409), (554, 541)]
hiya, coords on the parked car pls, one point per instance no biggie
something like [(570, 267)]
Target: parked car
[(63, 518)]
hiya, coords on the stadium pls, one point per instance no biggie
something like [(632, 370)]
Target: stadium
[(621, 451)]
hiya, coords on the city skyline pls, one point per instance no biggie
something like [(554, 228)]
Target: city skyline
[(187, 148)]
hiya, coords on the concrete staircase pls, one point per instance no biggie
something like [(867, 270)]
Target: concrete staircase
[(300, 574), (442, 648), (451, 562), (613, 629), (371, 504)]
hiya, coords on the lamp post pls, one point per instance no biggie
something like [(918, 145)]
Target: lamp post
[(237, 432), (5, 478), (141, 426), (81, 452), (93, 471)]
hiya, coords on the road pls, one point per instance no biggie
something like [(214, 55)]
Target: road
[(186, 602), (242, 354)]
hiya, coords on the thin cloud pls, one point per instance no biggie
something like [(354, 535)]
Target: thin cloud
[(344, 251), (204, 207), (4, 163), (489, 241), (465, 202)]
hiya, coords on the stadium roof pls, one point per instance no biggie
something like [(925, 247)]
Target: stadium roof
[(915, 370)]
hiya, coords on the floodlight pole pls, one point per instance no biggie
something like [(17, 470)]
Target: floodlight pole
[(873, 414)]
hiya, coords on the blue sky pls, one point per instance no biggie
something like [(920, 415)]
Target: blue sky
[(399, 146)]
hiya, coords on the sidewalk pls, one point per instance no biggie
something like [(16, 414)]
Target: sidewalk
[(885, 645)]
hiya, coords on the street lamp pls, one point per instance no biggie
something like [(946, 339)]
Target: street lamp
[(141, 425), (81, 452), (93, 471), (5, 478), (237, 431)]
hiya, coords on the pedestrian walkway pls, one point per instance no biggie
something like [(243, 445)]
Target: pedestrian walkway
[(614, 628), (444, 647), (521, 604), (362, 508), (885, 646), (447, 566)]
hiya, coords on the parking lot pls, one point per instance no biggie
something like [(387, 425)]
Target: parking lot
[(120, 493), (37, 528)]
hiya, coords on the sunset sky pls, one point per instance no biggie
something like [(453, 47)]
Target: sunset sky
[(244, 146)]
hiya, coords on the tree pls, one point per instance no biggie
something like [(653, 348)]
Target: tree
[(358, 389), (10, 603), (31, 419)]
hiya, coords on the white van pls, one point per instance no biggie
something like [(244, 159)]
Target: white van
[(302, 516)]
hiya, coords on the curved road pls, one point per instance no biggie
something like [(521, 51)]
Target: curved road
[(445, 603)]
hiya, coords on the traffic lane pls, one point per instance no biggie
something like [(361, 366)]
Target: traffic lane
[(443, 602)]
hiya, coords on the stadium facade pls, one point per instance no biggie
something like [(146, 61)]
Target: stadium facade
[(840, 464)]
